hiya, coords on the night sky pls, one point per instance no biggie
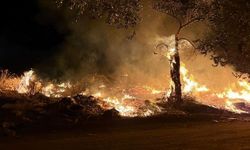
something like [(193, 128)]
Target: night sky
[(28, 35)]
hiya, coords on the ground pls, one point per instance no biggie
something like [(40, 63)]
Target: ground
[(41, 123), (155, 134)]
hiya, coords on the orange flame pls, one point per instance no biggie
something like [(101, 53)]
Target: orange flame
[(129, 104)]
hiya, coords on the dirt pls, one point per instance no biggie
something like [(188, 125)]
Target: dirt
[(64, 125), (155, 134)]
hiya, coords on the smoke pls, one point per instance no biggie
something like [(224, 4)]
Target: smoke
[(95, 48)]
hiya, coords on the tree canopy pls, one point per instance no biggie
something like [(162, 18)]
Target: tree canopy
[(185, 11), (121, 13), (229, 36)]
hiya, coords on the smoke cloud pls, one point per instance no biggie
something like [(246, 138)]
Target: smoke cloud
[(95, 48)]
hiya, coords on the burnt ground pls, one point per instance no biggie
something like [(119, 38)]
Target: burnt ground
[(39, 123)]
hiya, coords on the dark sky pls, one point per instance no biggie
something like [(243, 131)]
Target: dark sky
[(27, 35)]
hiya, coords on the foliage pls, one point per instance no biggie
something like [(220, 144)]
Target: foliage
[(228, 39), (121, 13), (185, 11)]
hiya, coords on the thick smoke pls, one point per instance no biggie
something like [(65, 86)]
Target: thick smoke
[(95, 48)]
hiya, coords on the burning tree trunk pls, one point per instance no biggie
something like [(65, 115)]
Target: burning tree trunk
[(185, 12), (171, 51), (176, 93)]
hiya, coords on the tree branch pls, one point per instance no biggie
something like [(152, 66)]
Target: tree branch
[(189, 41), (192, 21), (160, 45)]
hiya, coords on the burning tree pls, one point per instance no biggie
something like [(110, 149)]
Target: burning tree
[(186, 12), (223, 16), (125, 14)]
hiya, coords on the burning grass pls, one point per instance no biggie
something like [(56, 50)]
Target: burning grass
[(141, 101), (28, 100), (8, 82)]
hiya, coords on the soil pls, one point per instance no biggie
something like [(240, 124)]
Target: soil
[(127, 134)]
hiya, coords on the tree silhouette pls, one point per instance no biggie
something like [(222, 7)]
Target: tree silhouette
[(121, 13)]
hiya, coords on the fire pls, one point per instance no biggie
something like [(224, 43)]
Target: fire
[(152, 90), (228, 95), (131, 102), (171, 52), (8, 82), (30, 84), (98, 94), (26, 82), (189, 83), (55, 90), (126, 104), (124, 110), (230, 106), (242, 93)]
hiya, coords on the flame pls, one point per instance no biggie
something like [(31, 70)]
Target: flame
[(55, 90), (230, 106), (190, 85), (152, 90), (130, 102), (29, 84), (229, 95), (171, 52), (243, 92), (126, 104), (98, 94), (124, 110), (26, 82), (8, 82)]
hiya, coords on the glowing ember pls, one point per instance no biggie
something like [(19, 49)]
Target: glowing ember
[(127, 105), (123, 109)]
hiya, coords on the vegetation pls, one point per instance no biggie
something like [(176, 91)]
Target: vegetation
[(229, 35)]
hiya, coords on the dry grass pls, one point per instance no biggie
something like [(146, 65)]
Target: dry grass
[(8, 82)]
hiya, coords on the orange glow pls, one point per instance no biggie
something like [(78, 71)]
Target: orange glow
[(131, 102)]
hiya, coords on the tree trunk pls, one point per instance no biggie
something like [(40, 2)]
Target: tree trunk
[(176, 94)]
